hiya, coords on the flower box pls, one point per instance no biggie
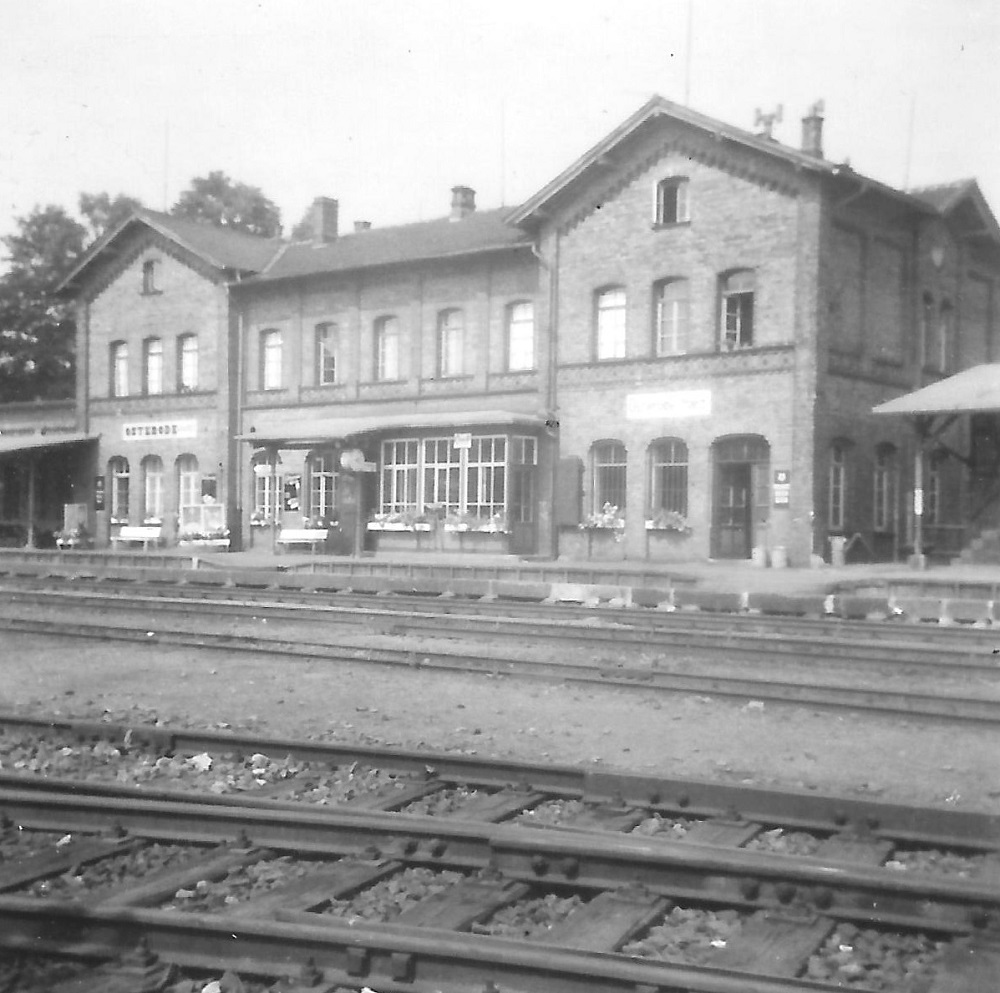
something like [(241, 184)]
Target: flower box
[(203, 542), (398, 526)]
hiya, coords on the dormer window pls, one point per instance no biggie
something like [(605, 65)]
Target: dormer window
[(672, 205), (149, 277)]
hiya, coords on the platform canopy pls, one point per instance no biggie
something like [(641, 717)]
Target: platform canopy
[(319, 430), (973, 391), (11, 444)]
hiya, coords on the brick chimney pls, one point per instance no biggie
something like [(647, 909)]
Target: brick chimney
[(463, 202), (812, 130), (362, 226), (324, 220)]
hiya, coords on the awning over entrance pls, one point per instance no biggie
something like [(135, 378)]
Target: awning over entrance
[(13, 443), (976, 390), (316, 431)]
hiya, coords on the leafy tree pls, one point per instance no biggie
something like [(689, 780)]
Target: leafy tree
[(219, 200), (102, 212), (36, 328)]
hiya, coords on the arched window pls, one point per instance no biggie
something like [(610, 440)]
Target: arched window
[(668, 477), (119, 369), (270, 359), (152, 366), (837, 486), (520, 336), (327, 353), (610, 323), (152, 488), (188, 494), (322, 477), (608, 466), (118, 484), (386, 348), (737, 309), (451, 332), (670, 310), (187, 363), (884, 495)]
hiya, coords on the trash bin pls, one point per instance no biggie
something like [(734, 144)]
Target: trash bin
[(837, 546), (779, 557)]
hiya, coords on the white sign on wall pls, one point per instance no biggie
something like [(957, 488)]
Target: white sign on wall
[(673, 405), (143, 430)]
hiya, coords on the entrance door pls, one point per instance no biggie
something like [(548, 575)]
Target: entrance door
[(733, 510), (523, 536)]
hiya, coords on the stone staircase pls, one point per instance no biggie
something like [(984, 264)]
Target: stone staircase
[(984, 549)]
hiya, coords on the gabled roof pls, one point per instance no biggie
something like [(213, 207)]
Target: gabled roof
[(658, 106), (222, 248), (975, 390), (481, 231), (963, 200)]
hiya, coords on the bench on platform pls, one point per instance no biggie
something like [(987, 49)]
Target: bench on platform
[(148, 533), (302, 536)]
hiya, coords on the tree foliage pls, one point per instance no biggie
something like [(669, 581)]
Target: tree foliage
[(217, 199), (102, 212)]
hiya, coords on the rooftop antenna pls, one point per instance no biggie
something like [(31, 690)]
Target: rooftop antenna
[(687, 61), (766, 122)]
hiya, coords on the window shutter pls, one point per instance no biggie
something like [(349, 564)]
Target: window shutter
[(569, 491)]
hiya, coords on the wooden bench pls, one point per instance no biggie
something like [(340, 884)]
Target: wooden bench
[(146, 533), (302, 536)]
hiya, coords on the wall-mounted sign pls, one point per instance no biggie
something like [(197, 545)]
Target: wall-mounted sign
[(143, 430), (668, 406), (463, 440), (782, 487), (98, 493)]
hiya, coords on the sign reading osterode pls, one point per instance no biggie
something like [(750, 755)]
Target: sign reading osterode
[(668, 406), (147, 430)]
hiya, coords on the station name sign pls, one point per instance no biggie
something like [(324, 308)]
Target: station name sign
[(143, 430), (668, 406)]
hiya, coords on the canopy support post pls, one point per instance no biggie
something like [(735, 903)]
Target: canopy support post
[(918, 560)]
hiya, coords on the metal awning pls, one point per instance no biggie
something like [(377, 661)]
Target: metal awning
[(13, 443), (974, 391), (317, 430)]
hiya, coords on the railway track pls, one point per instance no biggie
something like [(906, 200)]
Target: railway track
[(180, 622), (482, 896)]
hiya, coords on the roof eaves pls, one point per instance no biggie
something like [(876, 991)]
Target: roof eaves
[(96, 249)]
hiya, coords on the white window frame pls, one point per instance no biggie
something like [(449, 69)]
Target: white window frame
[(671, 201), (837, 487), (327, 353), (152, 361), (119, 369), (322, 486), (736, 330), (400, 476), (607, 457), (668, 475), (271, 354), (611, 324), (672, 310), (520, 336), (152, 489), (119, 478), (450, 335), (188, 493), (187, 363), (387, 340)]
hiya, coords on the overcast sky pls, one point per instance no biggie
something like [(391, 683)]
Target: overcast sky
[(387, 105)]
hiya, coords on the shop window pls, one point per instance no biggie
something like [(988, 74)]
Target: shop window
[(520, 336), (386, 349), (610, 321), (608, 468), (672, 202), (670, 298), (187, 363), (451, 331), (119, 369), (322, 478), (270, 360), (152, 488), (118, 477), (837, 486), (668, 466), (884, 495), (400, 476), (327, 354), (152, 366), (737, 309)]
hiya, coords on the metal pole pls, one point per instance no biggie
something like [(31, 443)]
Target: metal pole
[(30, 543), (918, 494)]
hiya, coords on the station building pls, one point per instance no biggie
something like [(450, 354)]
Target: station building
[(670, 352)]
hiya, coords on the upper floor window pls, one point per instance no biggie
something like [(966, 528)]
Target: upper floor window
[(884, 488), (611, 323), (149, 277), (451, 330), (837, 486), (119, 369), (270, 359), (671, 314), (187, 363), (672, 205), (668, 464), (737, 293), (152, 366), (327, 353), (387, 348), (520, 336), (608, 464)]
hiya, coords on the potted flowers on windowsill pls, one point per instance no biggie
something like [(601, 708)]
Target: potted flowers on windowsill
[(491, 524), (400, 520), (258, 519), (668, 520), (78, 537), (608, 518), (318, 523), (215, 538)]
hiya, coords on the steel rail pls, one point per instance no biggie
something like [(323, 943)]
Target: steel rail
[(923, 706), (796, 809), (855, 643)]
